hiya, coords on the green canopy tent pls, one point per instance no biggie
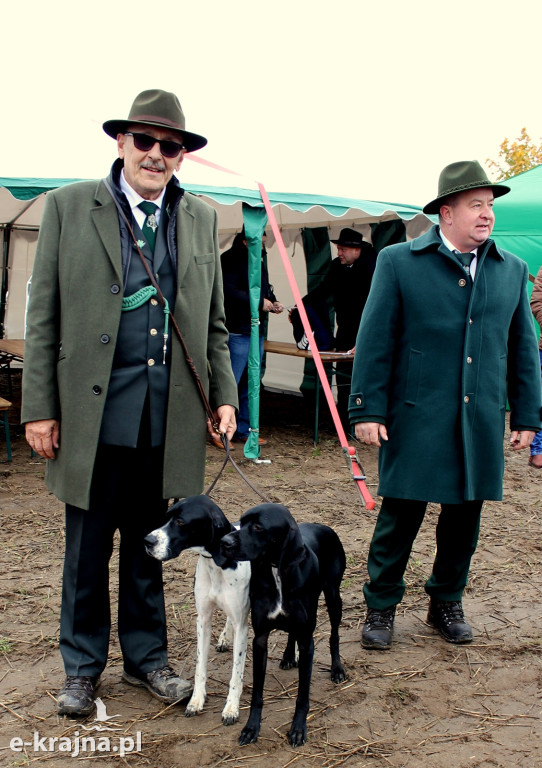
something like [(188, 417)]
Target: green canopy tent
[(518, 218)]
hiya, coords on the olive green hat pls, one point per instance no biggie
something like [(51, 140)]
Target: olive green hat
[(460, 177), (159, 109)]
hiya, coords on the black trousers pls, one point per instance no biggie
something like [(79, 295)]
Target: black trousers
[(397, 526), (126, 495)]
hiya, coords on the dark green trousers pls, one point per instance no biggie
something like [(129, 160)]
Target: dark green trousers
[(126, 496), (397, 526)]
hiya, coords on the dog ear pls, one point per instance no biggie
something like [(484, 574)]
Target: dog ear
[(293, 548)]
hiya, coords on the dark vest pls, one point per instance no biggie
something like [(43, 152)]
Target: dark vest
[(138, 373)]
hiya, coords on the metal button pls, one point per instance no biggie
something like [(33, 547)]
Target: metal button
[(471, 321), (153, 331), (150, 361), (469, 360), (115, 288), (96, 389), (462, 282), (466, 399), (104, 338), (358, 400), (154, 302)]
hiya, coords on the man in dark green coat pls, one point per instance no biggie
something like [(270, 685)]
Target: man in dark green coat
[(108, 397), (446, 338)]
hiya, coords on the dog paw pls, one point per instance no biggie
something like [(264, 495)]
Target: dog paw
[(248, 736), (288, 664), (297, 736), (222, 646), (229, 718), (194, 707), (338, 675)]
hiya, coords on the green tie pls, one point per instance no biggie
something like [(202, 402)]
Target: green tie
[(465, 259), (150, 224)]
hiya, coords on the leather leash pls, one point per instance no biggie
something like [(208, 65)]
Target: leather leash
[(188, 358)]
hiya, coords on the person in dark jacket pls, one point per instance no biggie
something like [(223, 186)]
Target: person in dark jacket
[(238, 322), (346, 286), (445, 339)]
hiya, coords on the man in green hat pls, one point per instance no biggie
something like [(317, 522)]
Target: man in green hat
[(445, 339), (108, 398)]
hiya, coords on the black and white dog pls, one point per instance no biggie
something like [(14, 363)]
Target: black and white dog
[(197, 523), (291, 566)]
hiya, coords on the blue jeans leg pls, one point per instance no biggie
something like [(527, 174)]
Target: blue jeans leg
[(536, 445), (239, 346)]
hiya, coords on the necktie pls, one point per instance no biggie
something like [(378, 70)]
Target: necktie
[(465, 259), (150, 224)]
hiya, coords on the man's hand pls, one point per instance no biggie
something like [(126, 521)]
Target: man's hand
[(371, 432), (521, 440), (225, 418), (43, 437)]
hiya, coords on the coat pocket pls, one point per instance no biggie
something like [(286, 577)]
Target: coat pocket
[(204, 258), (413, 376)]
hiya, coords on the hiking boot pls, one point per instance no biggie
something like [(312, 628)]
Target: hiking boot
[(165, 684), (76, 698), (378, 628), (447, 616)]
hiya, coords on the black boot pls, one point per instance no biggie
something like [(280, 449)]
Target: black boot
[(447, 616), (377, 630)]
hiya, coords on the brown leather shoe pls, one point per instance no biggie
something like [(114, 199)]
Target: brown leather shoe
[(217, 442), (164, 683), (76, 698), (261, 440)]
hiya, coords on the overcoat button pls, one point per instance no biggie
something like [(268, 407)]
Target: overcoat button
[(466, 398), (97, 390), (115, 288), (154, 302), (150, 361), (469, 360), (104, 338), (153, 331), (462, 283), (358, 400), (471, 321)]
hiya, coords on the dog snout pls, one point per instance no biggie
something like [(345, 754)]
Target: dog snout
[(228, 544)]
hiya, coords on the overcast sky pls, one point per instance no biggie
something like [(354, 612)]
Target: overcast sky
[(361, 99)]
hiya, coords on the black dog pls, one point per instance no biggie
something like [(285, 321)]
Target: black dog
[(291, 565)]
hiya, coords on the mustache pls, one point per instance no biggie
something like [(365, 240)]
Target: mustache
[(153, 166)]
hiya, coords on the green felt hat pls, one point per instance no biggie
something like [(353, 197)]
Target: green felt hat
[(159, 109), (460, 177)]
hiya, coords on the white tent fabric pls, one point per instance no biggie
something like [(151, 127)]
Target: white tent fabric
[(20, 220)]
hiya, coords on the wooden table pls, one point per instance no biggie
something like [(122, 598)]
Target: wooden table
[(10, 350), (290, 348)]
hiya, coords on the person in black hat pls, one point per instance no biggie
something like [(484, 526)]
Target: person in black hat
[(445, 339), (108, 398), (346, 286)]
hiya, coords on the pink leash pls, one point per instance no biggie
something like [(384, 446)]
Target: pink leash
[(349, 451)]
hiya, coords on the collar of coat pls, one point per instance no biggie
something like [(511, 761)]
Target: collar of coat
[(431, 241)]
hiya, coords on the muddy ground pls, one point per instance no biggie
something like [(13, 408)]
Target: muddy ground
[(424, 703)]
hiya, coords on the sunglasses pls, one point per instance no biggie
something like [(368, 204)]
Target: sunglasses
[(145, 143)]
